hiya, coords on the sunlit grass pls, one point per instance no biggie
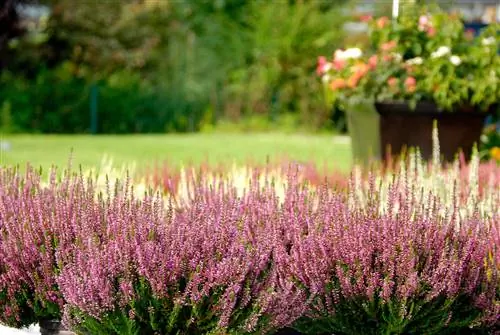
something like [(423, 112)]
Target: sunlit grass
[(88, 151)]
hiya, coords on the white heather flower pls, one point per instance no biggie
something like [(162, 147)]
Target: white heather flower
[(415, 61), (440, 52), (488, 41), (455, 60)]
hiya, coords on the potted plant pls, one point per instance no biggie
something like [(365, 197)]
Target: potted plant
[(422, 67)]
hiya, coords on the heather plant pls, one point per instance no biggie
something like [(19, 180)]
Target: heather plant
[(208, 269), (41, 222), (413, 249), (36, 223), (409, 270)]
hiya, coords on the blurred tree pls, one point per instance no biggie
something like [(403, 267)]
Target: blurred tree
[(170, 65), (10, 26), (285, 41)]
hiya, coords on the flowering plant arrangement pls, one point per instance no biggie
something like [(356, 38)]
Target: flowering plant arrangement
[(424, 55), (413, 252)]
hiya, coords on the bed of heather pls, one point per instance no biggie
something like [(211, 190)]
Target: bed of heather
[(413, 249)]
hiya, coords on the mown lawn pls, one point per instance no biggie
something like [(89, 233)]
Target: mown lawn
[(45, 150)]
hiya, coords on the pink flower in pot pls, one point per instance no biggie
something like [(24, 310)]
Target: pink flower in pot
[(392, 82), (365, 18), (411, 84), (388, 46), (431, 32), (372, 62), (423, 22), (323, 65), (382, 22)]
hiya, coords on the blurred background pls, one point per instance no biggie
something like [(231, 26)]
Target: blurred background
[(155, 66)]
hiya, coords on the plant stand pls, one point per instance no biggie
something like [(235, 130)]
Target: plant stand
[(363, 126), (53, 327)]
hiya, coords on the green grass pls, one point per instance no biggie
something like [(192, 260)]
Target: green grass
[(46, 150)]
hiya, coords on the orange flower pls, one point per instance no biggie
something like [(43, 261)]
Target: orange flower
[(372, 62), (353, 81), (392, 81), (360, 69), (388, 46), (382, 22), (495, 153), (337, 83)]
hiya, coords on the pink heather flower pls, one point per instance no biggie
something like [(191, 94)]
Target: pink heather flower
[(271, 258)]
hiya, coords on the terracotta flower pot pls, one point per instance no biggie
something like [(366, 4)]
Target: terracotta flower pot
[(402, 128)]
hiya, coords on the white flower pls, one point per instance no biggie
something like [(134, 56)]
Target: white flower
[(488, 41), (455, 60), (398, 57), (415, 61), (325, 78), (440, 52), (352, 53)]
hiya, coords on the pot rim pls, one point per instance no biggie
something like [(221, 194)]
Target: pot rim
[(428, 108)]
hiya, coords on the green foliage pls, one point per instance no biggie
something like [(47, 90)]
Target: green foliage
[(148, 314), (6, 124), (284, 123), (171, 65), (56, 103), (278, 78), (360, 316)]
